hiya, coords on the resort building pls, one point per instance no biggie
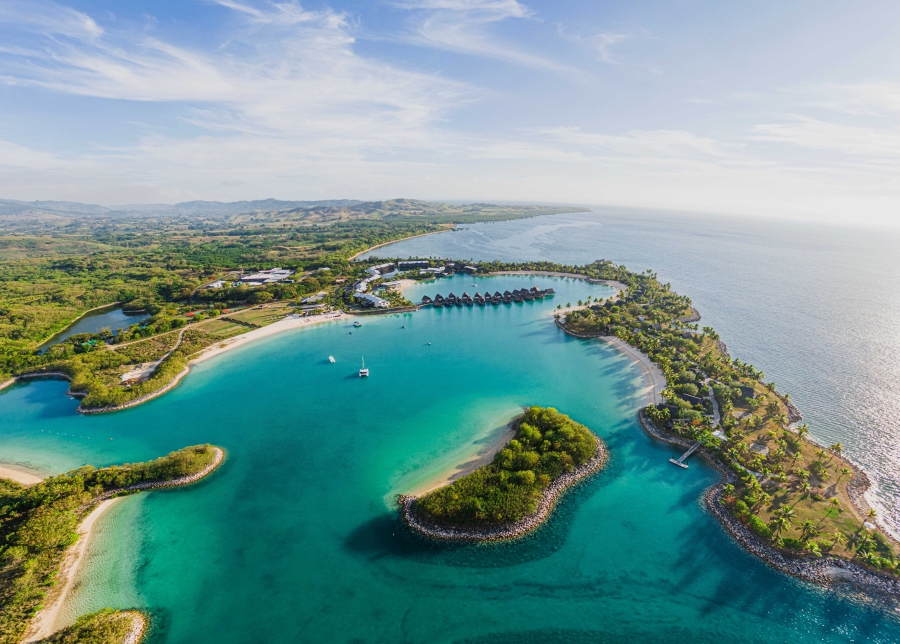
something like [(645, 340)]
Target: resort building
[(408, 265), (269, 276), (368, 299)]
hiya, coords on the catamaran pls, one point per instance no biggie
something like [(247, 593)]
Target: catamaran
[(363, 372), (331, 359)]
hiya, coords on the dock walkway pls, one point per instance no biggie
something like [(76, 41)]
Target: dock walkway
[(681, 461)]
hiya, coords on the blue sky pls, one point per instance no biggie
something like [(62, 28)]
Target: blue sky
[(768, 108)]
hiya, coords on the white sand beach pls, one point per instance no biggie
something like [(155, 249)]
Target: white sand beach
[(19, 475), (288, 323), (481, 457), (44, 623)]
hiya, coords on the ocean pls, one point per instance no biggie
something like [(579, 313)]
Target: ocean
[(295, 538)]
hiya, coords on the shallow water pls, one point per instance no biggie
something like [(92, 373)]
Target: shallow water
[(294, 539), (816, 308)]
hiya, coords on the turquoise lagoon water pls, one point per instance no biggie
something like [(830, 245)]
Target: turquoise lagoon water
[(295, 539), (815, 307)]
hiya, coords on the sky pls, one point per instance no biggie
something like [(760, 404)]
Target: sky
[(773, 108)]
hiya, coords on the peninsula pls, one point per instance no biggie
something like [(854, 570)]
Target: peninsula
[(41, 547), (513, 494)]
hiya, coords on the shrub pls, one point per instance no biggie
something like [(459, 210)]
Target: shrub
[(759, 527)]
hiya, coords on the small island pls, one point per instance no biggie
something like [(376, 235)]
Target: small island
[(515, 493), (40, 546)]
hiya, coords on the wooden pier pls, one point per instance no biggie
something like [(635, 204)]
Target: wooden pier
[(681, 461)]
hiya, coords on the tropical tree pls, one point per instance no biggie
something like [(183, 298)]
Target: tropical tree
[(845, 471), (803, 430), (808, 530), (837, 537), (779, 524), (837, 448)]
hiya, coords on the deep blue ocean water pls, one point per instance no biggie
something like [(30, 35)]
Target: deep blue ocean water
[(295, 539)]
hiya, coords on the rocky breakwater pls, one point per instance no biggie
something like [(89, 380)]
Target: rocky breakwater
[(512, 530), (177, 482), (824, 571)]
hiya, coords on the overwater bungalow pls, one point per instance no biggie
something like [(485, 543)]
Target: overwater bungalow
[(426, 300), (507, 297), (549, 291), (527, 295), (517, 296), (478, 299), (451, 298)]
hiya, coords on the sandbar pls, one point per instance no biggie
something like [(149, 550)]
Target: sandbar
[(19, 475), (44, 623), (483, 456)]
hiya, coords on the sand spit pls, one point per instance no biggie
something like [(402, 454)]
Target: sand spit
[(44, 623)]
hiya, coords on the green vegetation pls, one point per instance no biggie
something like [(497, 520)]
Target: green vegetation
[(103, 627), (56, 265), (38, 523), (790, 491), (547, 444)]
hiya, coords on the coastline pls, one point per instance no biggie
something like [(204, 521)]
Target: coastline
[(292, 322), (824, 571), (19, 474), (515, 530), (434, 232), (44, 623), (653, 375), (479, 459)]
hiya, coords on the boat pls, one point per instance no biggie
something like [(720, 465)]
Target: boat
[(357, 323), (363, 373), (331, 359)]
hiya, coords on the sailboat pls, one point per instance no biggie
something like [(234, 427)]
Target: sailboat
[(363, 373)]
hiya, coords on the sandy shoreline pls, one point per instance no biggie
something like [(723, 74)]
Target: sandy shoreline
[(482, 457), (19, 475), (435, 232), (288, 323), (44, 623), (515, 530)]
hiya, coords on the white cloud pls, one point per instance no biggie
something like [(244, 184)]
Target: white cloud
[(604, 42), (463, 26), (852, 140)]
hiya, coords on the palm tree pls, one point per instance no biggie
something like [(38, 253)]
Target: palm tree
[(845, 471), (821, 453), (785, 512), (837, 536), (803, 430), (871, 514), (837, 448), (808, 531), (779, 524)]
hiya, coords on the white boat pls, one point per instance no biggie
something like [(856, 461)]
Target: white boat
[(331, 359), (363, 373), (357, 323)]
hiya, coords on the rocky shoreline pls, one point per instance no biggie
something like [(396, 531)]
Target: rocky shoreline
[(140, 400), (156, 485), (825, 571), (514, 530)]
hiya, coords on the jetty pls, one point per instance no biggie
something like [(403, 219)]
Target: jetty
[(681, 461), (519, 295)]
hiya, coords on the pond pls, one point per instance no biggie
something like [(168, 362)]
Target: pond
[(109, 316)]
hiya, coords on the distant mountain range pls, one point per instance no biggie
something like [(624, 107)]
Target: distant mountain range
[(72, 208)]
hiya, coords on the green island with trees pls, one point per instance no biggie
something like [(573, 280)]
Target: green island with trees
[(38, 524), (547, 445)]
